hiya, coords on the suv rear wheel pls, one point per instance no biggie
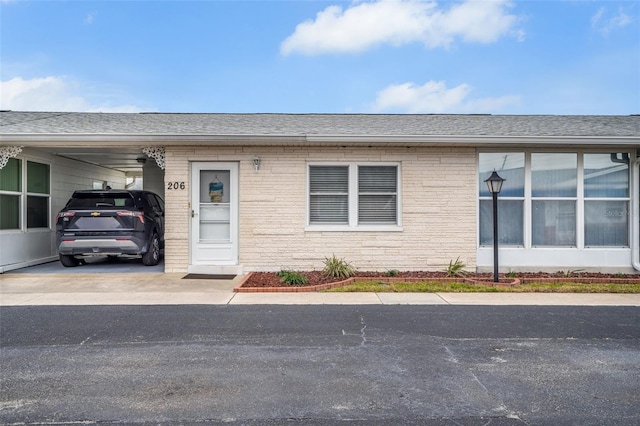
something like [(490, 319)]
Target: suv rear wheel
[(152, 256), (68, 260)]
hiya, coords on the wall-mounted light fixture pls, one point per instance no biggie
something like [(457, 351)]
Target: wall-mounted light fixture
[(256, 163)]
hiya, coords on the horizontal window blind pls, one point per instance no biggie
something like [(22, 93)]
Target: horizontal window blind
[(377, 194), (329, 194)]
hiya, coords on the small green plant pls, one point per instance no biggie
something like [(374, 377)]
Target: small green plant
[(337, 268), (620, 275), (570, 272), (511, 274), (393, 272), (456, 269), (291, 277)]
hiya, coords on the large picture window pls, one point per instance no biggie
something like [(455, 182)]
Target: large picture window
[(353, 195), (606, 205), (553, 199), (511, 206), (546, 196)]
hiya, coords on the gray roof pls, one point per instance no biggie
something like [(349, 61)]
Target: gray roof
[(14, 124), (317, 124)]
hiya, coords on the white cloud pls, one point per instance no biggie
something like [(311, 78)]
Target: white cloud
[(365, 25), (434, 97), (605, 23), (51, 94)]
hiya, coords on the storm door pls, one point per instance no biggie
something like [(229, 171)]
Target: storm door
[(214, 214)]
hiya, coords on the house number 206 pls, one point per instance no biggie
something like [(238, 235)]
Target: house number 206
[(174, 186)]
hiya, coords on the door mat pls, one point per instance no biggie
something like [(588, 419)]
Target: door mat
[(208, 277)]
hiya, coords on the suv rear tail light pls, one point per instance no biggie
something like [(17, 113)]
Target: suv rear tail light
[(139, 215), (65, 214)]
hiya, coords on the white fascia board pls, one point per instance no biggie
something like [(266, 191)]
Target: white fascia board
[(114, 140), (482, 141)]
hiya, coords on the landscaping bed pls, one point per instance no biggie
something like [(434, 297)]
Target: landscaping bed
[(317, 281)]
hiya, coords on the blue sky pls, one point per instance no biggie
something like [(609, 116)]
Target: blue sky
[(387, 56)]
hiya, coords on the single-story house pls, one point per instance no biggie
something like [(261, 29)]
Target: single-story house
[(263, 192)]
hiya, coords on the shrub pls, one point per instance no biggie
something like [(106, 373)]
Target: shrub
[(291, 277), (393, 273), (456, 269), (337, 268)]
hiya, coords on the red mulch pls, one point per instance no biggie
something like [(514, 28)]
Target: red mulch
[(270, 279)]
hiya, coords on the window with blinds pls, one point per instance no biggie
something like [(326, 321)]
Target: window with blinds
[(353, 195), (329, 194), (377, 194)]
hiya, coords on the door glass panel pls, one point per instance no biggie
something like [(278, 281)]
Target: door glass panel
[(215, 206), (214, 186)]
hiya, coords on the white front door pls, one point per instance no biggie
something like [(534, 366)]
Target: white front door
[(214, 217)]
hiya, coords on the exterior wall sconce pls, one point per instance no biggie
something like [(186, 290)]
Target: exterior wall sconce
[(256, 163), (494, 183)]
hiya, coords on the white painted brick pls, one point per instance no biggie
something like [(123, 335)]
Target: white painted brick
[(439, 209)]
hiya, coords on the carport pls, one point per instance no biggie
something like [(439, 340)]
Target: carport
[(26, 246)]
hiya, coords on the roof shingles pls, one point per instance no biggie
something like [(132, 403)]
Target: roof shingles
[(52, 123)]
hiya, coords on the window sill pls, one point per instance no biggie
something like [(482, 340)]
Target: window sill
[(508, 247), (347, 228)]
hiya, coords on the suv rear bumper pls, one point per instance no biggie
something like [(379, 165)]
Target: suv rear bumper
[(102, 246)]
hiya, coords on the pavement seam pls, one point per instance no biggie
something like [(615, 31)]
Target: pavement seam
[(443, 299), (233, 296)]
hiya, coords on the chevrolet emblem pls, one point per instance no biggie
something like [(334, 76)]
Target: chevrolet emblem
[(94, 214)]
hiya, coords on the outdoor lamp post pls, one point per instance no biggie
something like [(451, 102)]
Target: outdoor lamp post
[(494, 182)]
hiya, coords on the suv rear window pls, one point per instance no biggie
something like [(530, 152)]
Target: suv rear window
[(93, 201)]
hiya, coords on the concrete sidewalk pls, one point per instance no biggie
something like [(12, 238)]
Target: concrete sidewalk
[(173, 289)]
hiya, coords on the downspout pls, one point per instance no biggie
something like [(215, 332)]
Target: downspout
[(635, 214)]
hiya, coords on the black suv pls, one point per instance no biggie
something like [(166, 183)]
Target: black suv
[(111, 222)]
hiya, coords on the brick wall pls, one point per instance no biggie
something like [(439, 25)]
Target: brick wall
[(438, 189)]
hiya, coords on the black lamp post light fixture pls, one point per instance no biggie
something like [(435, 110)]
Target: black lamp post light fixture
[(494, 182)]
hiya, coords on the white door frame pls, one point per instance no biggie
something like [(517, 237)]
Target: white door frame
[(213, 231)]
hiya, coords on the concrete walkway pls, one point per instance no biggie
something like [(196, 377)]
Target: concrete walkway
[(18, 289)]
